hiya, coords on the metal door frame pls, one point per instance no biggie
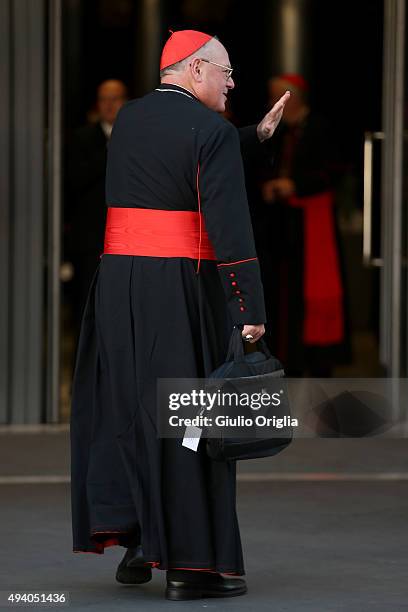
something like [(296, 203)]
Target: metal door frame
[(391, 196), (54, 208), (22, 170)]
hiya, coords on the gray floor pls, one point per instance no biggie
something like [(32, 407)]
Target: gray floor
[(322, 545)]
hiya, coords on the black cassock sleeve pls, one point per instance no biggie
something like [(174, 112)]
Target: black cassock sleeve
[(226, 214)]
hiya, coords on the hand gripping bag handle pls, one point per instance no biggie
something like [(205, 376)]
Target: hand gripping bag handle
[(236, 351)]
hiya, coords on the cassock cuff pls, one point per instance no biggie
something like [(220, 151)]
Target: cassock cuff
[(244, 292)]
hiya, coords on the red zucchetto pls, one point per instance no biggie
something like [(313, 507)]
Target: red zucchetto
[(180, 45), (295, 79)]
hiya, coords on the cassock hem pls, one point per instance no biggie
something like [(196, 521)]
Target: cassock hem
[(202, 566)]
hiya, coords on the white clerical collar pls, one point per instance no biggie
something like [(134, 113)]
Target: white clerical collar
[(170, 87), (106, 128)]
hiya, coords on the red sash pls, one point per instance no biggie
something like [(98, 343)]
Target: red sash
[(323, 289), (156, 233)]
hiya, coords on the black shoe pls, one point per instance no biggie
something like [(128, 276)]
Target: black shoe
[(182, 586), (131, 569), (135, 557)]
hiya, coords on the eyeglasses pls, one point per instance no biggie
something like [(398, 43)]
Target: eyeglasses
[(226, 69)]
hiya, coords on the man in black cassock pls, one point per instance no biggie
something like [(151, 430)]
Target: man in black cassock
[(162, 307)]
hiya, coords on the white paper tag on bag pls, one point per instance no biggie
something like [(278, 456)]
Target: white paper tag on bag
[(192, 437)]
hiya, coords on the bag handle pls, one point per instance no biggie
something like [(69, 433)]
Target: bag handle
[(236, 351)]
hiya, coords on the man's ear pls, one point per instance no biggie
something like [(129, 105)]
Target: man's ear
[(196, 71)]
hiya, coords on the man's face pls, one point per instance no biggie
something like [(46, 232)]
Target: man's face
[(215, 86), (276, 89), (111, 96)]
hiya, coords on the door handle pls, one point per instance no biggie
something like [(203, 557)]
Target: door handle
[(368, 259)]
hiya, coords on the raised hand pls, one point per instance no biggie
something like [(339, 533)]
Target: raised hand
[(270, 122)]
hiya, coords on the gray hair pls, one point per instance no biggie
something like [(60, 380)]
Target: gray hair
[(205, 52)]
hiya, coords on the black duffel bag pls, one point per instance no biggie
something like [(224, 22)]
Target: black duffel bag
[(239, 369)]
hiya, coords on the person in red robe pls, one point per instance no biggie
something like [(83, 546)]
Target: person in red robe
[(303, 272)]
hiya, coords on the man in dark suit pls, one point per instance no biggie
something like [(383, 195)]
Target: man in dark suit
[(85, 203)]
